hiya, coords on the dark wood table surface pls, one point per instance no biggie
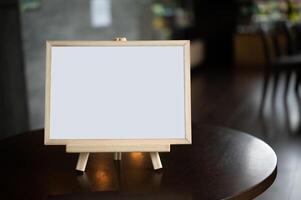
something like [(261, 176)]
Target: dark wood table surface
[(220, 164)]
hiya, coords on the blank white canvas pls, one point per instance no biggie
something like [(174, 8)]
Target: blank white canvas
[(117, 92)]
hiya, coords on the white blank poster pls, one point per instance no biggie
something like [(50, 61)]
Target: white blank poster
[(117, 92)]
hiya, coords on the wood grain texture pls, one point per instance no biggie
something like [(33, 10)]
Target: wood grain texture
[(220, 164), (117, 148)]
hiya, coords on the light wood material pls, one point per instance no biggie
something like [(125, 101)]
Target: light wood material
[(116, 148), (89, 142), (47, 92), (220, 164), (121, 39), (187, 92), (129, 142), (82, 161), (117, 156), (156, 160), (118, 43), (153, 146)]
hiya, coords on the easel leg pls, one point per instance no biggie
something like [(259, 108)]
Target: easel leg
[(156, 160), (82, 161), (117, 156)]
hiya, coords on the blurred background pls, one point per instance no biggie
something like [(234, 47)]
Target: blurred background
[(245, 57)]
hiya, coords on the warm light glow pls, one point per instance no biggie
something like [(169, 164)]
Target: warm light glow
[(136, 155), (103, 179), (137, 158)]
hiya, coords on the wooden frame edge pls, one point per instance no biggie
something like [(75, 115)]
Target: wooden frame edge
[(117, 43), (47, 93), (187, 91), (119, 141), (186, 51), (116, 148)]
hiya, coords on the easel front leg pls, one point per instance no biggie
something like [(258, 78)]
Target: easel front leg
[(117, 156), (155, 157), (82, 161)]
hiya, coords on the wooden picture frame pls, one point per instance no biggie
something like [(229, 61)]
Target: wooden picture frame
[(120, 145)]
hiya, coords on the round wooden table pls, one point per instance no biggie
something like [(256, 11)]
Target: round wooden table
[(220, 164)]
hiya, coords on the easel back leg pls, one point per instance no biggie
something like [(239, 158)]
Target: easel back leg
[(117, 156)]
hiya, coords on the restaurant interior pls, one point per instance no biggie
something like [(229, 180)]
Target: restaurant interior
[(245, 60)]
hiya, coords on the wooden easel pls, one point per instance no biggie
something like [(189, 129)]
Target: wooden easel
[(83, 159), (84, 151)]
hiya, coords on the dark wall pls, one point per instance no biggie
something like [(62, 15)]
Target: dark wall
[(70, 20), (13, 102), (215, 23)]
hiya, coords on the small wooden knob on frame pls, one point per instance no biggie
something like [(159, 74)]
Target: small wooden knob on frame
[(121, 39)]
